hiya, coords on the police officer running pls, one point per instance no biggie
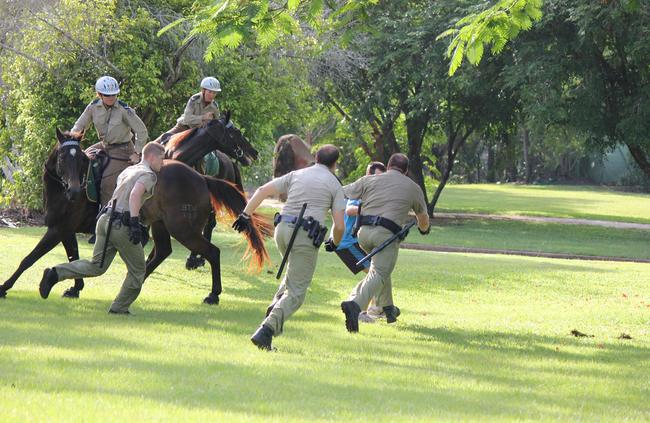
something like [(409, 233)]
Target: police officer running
[(118, 230), (387, 199), (114, 120), (318, 187)]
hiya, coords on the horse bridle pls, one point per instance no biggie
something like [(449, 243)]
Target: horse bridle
[(237, 150), (55, 176)]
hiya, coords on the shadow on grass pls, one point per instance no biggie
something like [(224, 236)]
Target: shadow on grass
[(486, 374)]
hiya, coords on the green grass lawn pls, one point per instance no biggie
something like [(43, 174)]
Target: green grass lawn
[(589, 202), (538, 237), (480, 338)]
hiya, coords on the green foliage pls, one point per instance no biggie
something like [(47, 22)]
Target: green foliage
[(494, 26), (268, 95)]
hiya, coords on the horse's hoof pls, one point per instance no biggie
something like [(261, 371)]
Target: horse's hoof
[(3, 293), (194, 262), (71, 293), (211, 300)]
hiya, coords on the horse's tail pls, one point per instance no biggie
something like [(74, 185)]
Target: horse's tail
[(226, 197), (238, 179), (283, 157)]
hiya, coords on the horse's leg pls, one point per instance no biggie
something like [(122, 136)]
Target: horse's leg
[(195, 260), (195, 242), (162, 247), (51, 238), (72, 251)]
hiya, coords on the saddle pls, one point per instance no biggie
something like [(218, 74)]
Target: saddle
[(95, 172)]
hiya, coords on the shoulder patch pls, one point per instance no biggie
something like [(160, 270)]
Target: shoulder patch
[(196, 96), (123, 104), (95, 101)]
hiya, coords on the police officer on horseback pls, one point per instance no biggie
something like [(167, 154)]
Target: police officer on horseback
[(115, 123), (118, 230), (200, 109)]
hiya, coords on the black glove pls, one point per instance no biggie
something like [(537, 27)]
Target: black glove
[(330, 246), (242, 223), (425, 232), (135, 232)]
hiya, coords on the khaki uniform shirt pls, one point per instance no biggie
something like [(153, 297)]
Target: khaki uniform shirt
[(195, 109), (391, 195), (315, 185), (127, 180), (113, 124)]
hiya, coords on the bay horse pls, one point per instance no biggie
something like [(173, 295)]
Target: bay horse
[(68, 210), (290, 153)]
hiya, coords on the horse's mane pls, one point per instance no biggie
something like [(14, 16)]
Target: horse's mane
[(177, 139)]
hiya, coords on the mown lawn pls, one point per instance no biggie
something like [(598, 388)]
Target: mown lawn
[(480, 338), (537, 237), (589, 202)]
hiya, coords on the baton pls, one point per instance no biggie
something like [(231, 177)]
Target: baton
[(387, 242), (293, 238)]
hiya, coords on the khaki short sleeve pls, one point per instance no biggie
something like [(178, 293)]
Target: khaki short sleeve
[(419, 205), (282, 183), (149, 182), (354, 190), (338, 202)]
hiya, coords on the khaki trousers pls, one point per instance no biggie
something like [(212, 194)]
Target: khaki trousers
[(300, 271), (377, 282), (120, 154), (131, 254)]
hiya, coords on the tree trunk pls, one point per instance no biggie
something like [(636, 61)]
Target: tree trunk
[(527, 166), (640, 158), (415, 130), (491, 164)]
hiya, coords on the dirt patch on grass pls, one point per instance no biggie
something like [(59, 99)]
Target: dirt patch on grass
[(16, 218)]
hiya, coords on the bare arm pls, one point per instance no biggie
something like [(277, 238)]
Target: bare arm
[(423, 221), (135, 199), (265, 191), (339, 226), (352, 210)]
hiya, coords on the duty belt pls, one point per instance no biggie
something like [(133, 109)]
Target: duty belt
[(315, 231), (370, 220), (123, 218)]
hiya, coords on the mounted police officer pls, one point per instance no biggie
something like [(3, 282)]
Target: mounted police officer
[(387, 199), (318, 188), (118, 230), (200, 109), (114, 121)]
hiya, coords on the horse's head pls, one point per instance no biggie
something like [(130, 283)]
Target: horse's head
[(70, 165), (234, 142)]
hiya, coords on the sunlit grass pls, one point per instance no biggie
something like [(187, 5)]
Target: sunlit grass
[(546, 200), (480, 338), (537, 237)]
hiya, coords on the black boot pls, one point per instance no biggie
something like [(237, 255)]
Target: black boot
[(262, 338), (392, 313), (351, 311), (50, 278)]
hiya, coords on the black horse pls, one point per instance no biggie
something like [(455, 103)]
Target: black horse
[(189, 147), (67, 208)]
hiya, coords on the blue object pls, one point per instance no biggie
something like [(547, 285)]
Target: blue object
[(348, 239)]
